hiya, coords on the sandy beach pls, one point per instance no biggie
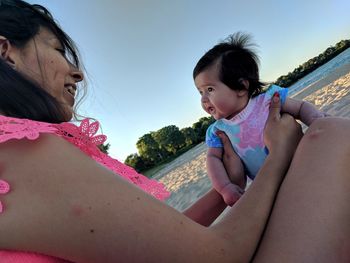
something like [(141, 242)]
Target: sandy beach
[(186, 176)]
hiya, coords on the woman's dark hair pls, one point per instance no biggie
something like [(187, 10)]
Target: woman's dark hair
[(21, 97), (236, 61)]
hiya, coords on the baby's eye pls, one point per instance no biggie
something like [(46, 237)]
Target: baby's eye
[(210, 89), (200, 92)]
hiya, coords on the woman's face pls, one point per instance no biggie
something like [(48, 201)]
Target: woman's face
[(43, 60)]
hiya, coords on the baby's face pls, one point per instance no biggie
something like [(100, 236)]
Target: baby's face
[(217, 99)]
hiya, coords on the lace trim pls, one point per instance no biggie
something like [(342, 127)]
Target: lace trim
[(85, 138), (13, 128), (4, 189), (83, 135)]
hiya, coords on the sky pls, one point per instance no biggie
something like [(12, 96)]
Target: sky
[(139, 54)]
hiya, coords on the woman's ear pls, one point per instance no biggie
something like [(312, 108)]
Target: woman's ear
[(5, 51)]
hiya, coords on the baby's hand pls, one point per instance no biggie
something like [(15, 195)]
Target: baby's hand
[(231, 193)]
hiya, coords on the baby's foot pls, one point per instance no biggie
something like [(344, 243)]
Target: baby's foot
[(231, 193)]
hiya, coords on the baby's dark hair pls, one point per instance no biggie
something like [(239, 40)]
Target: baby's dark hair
[(236, 61)]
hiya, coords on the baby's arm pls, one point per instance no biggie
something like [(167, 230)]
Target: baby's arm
[(228, 187), (302, 110)]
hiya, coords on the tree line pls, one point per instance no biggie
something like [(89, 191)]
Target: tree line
[(312, 64), (157, 147), (160, 146)]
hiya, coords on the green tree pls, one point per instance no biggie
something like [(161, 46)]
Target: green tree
[(104, 147), (148, 148), (170, 138), (190, 136), (312, 64), (200, 127), (135, 161), (342, 44)]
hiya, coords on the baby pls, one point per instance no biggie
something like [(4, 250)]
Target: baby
[(227, 78)]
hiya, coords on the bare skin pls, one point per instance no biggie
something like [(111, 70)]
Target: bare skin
[(310, 219), (84, 213), (64, 204)]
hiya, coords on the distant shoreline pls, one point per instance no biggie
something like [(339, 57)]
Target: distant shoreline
[(336, 74)]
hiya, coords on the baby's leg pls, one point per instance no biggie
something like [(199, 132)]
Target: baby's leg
[(310, 221)]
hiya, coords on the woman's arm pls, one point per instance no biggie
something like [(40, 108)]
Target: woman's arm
[(64, 204)]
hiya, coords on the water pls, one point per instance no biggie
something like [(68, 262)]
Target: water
[(321, 72)]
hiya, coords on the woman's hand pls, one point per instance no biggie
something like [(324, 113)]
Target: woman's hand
[(282, 133), (228, 153)]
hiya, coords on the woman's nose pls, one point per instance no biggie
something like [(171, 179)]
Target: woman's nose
[(77, 75)]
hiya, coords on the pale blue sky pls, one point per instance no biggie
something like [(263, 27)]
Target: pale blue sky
[(140, 54)]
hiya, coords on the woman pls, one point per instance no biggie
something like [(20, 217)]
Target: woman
[(63, 203)]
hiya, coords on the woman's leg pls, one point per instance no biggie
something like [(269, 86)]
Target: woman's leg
[(310, 221)]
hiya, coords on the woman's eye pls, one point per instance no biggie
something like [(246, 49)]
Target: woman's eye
[(62, 51), (210, 89)]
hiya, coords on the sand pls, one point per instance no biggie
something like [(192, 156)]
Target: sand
[(186, 176)]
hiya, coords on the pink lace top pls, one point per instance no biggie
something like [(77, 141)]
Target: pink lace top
[(85, 138)]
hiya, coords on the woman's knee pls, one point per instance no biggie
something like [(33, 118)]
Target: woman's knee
[(326, 138), (336, 128)]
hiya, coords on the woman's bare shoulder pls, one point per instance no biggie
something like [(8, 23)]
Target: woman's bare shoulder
[(48, 151), (61, 201), (53, 182)]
